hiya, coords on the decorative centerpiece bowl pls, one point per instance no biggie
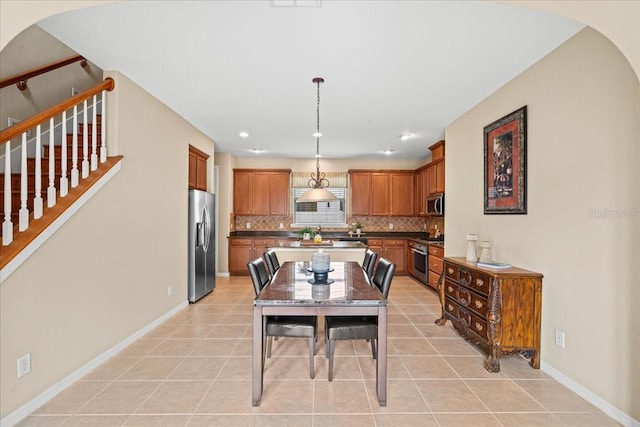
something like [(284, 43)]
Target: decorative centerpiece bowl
[(320, 277)]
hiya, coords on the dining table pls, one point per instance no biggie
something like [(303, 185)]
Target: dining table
[(295, 290)]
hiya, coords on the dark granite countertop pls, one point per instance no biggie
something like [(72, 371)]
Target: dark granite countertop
[(415, 236)]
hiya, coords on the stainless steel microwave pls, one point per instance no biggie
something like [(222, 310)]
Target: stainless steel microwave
[(435, 204)]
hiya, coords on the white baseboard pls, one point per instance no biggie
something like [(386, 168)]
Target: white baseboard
[(29, 407), (223, 274), (606, 407)]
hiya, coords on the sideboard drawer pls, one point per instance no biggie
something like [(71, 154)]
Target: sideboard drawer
[(480, 282), (452, 272)]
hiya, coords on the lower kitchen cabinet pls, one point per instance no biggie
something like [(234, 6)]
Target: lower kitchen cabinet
[(395, 250), (436, 256), (411, 261), (241, 251)]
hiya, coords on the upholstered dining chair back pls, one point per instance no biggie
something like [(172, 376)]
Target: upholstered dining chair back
[(369, 262), (259, 274), (384, 275), (272, 261)]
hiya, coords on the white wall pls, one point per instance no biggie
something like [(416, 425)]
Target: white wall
[(104, 274), (583, 104)]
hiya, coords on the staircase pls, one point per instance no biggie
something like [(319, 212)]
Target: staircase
[(77, 160), (44, 174)]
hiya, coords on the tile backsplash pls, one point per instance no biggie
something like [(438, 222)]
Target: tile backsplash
[(369, 223)]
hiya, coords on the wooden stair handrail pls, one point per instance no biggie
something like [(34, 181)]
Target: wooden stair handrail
[(21, 79), (23, 126)]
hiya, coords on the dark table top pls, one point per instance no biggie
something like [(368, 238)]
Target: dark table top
[(290, 286)]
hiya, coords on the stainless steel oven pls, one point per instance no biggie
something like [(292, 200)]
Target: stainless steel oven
[(420, 261)]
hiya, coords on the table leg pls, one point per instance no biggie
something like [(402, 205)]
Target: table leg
[(256, 373), (381, 367)]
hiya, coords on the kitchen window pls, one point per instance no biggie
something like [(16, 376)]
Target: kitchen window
[(320, 213)]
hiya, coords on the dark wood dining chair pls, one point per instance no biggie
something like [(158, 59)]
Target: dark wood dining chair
[(272, 261), (283, 326), (369, 262), (358, 327)]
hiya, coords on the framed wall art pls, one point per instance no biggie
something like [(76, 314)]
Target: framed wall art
[(505, 164)]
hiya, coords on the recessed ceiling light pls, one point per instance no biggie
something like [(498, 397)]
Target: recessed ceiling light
[(387, 152), (257, 150), (243, 134), (406, 136)]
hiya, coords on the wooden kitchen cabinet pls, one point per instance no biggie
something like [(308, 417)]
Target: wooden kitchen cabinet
[(381, 193), (411, 261), (197, 169), (401, 197), (395, 250), (421, 190), (436, 257), (436, 177), (261, 192), (500, 310), (243, 250), (240, 253), (360, 186)]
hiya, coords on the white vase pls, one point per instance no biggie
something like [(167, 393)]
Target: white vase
[(471, 248), (485, 252)]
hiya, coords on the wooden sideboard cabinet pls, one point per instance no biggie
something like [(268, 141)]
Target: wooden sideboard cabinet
[(500, 310)]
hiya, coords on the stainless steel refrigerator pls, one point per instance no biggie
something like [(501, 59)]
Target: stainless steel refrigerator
[(202, 244)]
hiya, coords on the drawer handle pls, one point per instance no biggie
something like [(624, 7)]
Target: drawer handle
[(450, 289), (450, 270), (479, 327), (449, 307), (478, 304), (479, 283)]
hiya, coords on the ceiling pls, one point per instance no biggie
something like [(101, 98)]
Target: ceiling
[(390, 67)]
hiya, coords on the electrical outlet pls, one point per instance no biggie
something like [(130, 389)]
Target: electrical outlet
[(559, 338), (281, 225), (248, 225), (169, 290), (390, 226), (24, 365)]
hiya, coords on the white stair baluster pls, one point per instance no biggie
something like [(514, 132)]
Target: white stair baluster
[(7, 225), (85, 143), (103, 143), (94, 135), (37, 199), (51, 190), (64, 181), (74, 149), (23, 213)]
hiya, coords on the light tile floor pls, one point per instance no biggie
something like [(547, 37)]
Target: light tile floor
[(195, 370)]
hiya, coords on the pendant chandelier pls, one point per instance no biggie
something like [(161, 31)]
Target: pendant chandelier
[(318, 182)]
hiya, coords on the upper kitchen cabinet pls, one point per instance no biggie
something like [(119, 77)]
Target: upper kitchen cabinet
[(197, 169), (436, 168), (261, 192), (421, 179), (381, 193)]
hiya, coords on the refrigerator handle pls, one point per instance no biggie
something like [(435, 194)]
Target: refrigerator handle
[(207, 228)]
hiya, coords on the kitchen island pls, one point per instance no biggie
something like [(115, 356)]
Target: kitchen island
[(339, 251)]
